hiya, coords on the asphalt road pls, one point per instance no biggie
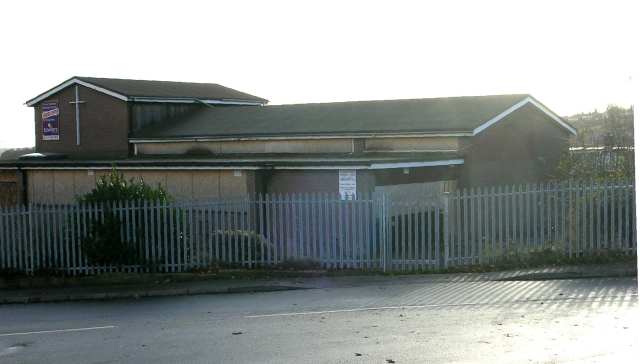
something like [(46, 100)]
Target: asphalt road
[(564, 321)]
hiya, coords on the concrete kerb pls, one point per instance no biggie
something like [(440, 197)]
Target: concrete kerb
[(248, 286), (137, 294), (150, 279)]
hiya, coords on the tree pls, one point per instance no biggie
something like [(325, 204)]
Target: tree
[(618, 124), (607, 146), (14, 153)]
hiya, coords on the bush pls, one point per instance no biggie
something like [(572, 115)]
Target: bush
[(10, 273), (114, 187), (551, 254), (104, 245), (243, 244), (298, 264)]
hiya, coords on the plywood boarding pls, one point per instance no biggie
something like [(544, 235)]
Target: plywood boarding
[(8, 176), (206, 185), (41, 186), (411, 144), (252, 146), (62, 186)]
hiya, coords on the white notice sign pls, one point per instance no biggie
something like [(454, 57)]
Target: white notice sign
[(347, 183)]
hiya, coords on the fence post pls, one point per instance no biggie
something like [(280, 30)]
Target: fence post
[(382, 211), (30, 224), (445, 225)]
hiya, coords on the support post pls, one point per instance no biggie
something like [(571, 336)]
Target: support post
[(445, 224), (383, 231)]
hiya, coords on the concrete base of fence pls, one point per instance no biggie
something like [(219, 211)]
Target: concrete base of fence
[(149, 279), (308, 280), (607, 271), (112, 293)]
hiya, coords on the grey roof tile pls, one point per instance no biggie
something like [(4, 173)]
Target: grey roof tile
[(437, 115), (170, 89)]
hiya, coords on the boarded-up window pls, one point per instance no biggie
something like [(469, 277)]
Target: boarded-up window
[(8, 194)]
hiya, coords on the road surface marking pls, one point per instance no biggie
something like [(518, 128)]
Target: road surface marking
[(356, 310), (361, 309), (58, 331)]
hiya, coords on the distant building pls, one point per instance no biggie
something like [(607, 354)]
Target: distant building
[(204, 141)]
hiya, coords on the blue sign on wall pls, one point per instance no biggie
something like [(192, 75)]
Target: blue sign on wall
[(50, 127)]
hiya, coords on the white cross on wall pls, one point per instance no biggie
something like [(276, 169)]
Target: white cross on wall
[(77, 102)]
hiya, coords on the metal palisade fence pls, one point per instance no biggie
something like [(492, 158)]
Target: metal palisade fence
[(373, 232), (178, 237), (572, 218)]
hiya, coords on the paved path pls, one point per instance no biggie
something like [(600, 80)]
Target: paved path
[(402, 321)]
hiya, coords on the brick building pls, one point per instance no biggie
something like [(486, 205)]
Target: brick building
[(203, 141)]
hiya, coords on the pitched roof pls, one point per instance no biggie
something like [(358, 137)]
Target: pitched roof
[(429, 116), (145, 90)]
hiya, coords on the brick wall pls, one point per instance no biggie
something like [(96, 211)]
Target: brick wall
[(104, 125), (524, 147)]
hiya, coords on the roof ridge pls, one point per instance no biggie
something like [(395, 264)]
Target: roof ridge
[(408, 99), (130, 89), (136, 79)]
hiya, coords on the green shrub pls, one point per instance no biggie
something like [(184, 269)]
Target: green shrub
[(10, 273), (298, 264), (114, 187), (104, 245), (244, 244), (50, 271), (550, 254)]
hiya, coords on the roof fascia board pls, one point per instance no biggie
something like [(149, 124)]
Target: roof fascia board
[(192, 101), (600, 148), (74, 81), (448, 162), (519, 105), (103, 90), (359, 166), (345, 136), (197, 167), (553, 116), (143, 167), (321, 167), (398, 151)]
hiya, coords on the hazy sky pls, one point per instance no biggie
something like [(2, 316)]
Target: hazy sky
[(572, 56)]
